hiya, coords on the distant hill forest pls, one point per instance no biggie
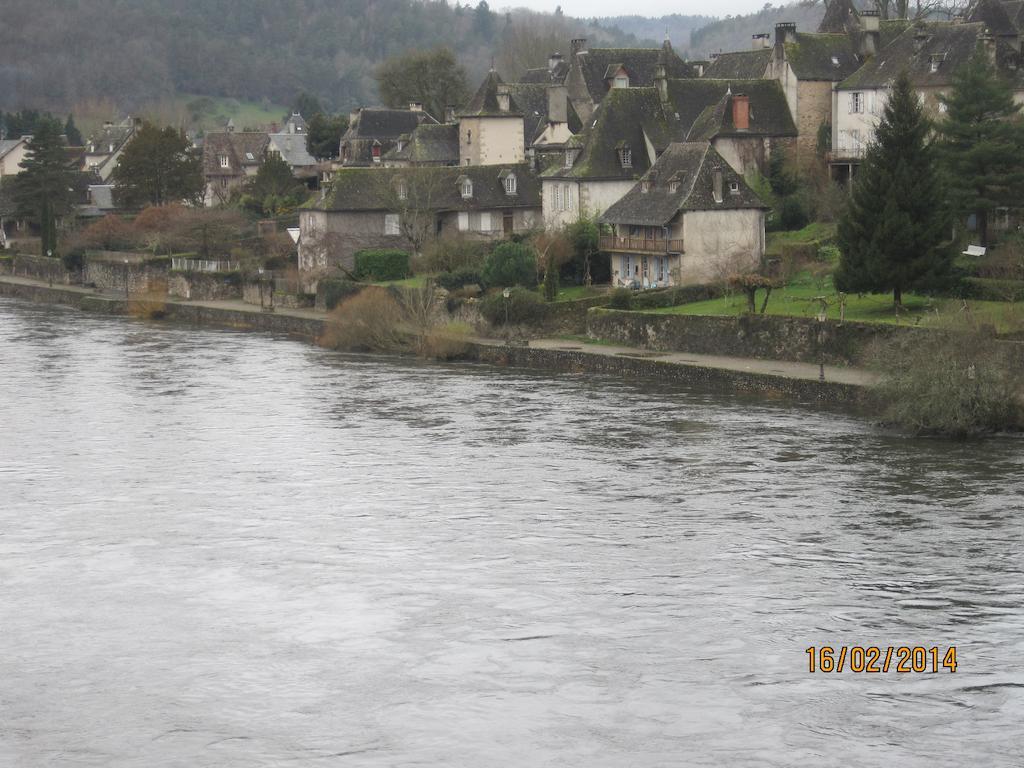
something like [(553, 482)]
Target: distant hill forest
[(697, 37), (104, 58), (119, 55)]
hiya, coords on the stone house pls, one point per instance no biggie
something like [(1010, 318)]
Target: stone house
[(553, 74), (378, 208), (103, 149), (228, 159), (595, 72), (690, 219), (429, 145), (375, 131), (12, 153), (743, 120), (930, 54), (290, 144)]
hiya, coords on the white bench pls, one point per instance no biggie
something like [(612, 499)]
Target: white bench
[(974, 250)]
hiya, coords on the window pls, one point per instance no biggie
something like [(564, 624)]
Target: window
[(673, 187), (225, 161), (645, 186), (567, 196), (734, 188), (485, 221), (510, 184), (570, 157), (249, 156), (621, 81), (403, 190), (835, 61), (469, 138), (463, 221), (467, 189), (557, 188), (391, 224), (856, 102), (625, 157), (375, 153), (110, 148)]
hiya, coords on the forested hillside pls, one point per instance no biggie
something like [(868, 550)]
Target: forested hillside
[(124, 54), (733, 33)]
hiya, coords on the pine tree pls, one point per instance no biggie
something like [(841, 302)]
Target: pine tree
[(158, 166), (981, 143), (892, 232), (71, 132), (45, 190)]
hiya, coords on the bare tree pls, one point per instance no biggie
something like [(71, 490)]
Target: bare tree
[(416, 196)]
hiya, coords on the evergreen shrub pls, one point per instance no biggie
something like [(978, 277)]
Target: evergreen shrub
[(459, 278), (335, 290), (382, 264), (621, 298), (511, 264), (524, 307)]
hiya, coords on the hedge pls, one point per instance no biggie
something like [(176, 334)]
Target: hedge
[(672, 297), (992, 289), (335, 290), (523, 307), (383, 264), (452, 281)]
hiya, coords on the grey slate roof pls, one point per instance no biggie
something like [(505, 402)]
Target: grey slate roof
[(681, 180), (6, 145), (367, 189), (830, 57), (912, 50), (292, 147), (640, 64), (742, 65), (384, 123), (245, 148), (485, 101), (769, 110), (429, 144)]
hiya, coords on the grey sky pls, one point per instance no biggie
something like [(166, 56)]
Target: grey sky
[(588, 8)]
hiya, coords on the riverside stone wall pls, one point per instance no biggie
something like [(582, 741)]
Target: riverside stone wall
[(39, 268), (768, 337), (205, 286), (108, 271)]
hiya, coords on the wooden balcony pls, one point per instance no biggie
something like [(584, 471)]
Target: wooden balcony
[(640, 244)]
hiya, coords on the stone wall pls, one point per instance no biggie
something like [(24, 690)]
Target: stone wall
[(767, 337), (205, 286), (108, 271), (40, 268), (815, 107)]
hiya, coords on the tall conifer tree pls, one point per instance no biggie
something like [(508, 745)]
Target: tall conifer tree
[(892, 232), (982, 143), (45, 190)]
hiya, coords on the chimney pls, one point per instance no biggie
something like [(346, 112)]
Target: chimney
[(870, 37), (353, 117), (661, 82), (760, 41), (785, 32), (920, 38), (415, 106), (869, 20), (579, 45), (698, 67), (741, 112), (987, 43), (716, 183), (553, 61), (449, 113), (504, 98), (558, 104)]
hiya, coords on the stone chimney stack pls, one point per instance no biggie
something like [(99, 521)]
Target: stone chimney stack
[(785, 32), (558, 104), (987, 43), (741, 112), (716, 183), (504, 98), (449, 113), (760, 41), (579, 45), (869, 35)]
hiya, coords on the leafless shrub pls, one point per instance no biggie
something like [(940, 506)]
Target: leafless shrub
[(370, 321)]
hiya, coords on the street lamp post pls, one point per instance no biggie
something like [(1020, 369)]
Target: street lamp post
[(126, 279), (507, 293), (260, 282)]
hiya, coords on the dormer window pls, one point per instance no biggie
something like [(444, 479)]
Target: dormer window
[(375, 152), (92, 147), (110, 148), (225, 161), (621, 81), (734, 188), (510, 184), (935, 61), (673, 187), (570, 157), (249, 156), (835, 61), (625, 156), (645, 186), (466, 188)]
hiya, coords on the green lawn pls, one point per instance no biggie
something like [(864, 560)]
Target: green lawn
[(815, 232), (800, 299), (211, 113), (416, 281), (575, 292)]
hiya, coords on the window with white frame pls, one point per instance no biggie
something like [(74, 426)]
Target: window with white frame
[(485, 221), (403, 190), (557, 197), (225, 161), (463, 221), (567, 196), (625, 157), (391, 224), (856, 102), (467, 189), (734, 187), (510, 184), (621, 81)]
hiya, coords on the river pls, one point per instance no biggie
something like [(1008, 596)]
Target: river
[(228, 549)]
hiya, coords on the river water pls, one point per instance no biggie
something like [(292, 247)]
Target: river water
[(222, 549)]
